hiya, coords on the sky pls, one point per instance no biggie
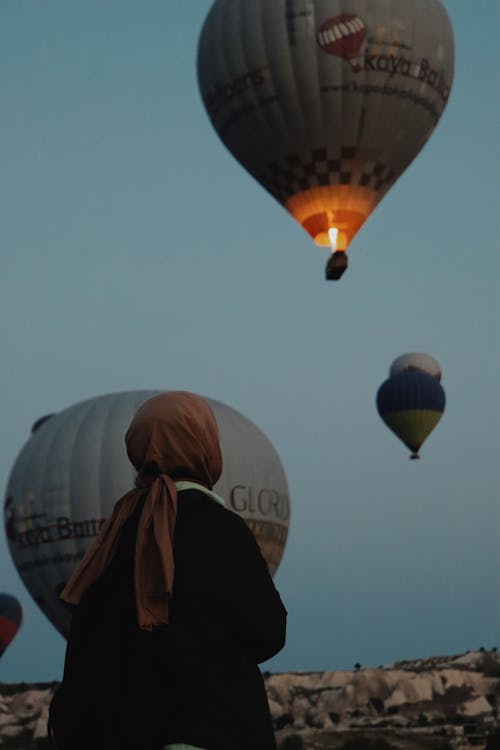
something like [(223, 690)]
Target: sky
[(136, 253)]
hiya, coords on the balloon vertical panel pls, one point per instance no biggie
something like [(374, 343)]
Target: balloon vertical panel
[(34, 528), (256, 488), (296, 67)]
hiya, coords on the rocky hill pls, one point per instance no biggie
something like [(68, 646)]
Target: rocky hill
[(445, 703)]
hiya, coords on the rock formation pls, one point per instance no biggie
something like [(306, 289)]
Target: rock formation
[(439, 702)]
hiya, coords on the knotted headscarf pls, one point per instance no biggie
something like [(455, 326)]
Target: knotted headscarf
[(173, 436)]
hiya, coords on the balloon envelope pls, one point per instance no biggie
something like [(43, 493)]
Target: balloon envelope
[(411, 404), (416, 361), (74, 467), (11, 617), (326, 102)]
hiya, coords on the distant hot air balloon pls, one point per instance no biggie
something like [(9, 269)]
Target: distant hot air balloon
[(11, 617), (326, 102), (416, 361), (411, 404), (70, 472), (39, 422)]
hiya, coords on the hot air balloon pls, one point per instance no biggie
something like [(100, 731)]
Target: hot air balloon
[(74, 466), (326, 102), (11, 617), (411, 404), (416, 361)]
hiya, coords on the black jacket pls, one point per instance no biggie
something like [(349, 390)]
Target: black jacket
[(195, 680)]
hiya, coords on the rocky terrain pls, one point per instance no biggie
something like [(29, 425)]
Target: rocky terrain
[(445, 703)]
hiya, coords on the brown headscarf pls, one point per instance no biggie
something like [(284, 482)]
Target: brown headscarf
[(173, 436)]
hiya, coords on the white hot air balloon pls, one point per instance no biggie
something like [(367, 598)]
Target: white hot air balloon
[(416, 361), (326, 102), (74, 467)]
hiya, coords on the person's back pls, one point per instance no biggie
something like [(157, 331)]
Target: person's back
[(110, 684), (194, 680), (226, 618)]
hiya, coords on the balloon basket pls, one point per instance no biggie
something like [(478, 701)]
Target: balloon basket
[(337, 264)]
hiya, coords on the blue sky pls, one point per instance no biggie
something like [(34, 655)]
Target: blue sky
[(136, 253)]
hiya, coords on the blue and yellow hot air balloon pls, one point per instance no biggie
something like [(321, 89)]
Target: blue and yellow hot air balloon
[(11, 617), (411, 404)]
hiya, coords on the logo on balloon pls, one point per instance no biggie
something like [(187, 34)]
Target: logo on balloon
[(343, 36)]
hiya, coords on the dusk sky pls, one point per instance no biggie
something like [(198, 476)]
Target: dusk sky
[(136, 253)]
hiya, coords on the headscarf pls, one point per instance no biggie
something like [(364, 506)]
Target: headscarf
[(173, 436)]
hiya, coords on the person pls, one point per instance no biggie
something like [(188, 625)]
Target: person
[(173, 607)]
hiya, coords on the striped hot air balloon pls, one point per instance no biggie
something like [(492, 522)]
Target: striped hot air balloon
[(74, 466), (11, 617), (411, 404), (326, 102)]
